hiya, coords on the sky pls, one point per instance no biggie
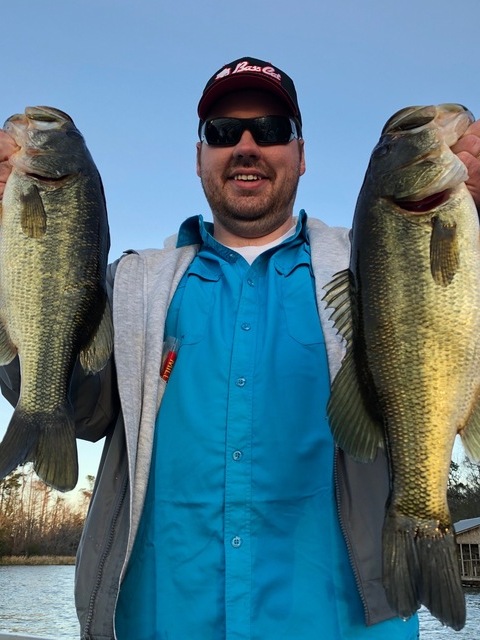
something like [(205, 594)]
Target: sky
[(130, 74)]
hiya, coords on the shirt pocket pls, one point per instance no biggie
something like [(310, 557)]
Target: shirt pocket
[(299, 305), (191, 307)]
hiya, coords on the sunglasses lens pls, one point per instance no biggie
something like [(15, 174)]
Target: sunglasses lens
[(223, 132), (226, 132), (272, 130)]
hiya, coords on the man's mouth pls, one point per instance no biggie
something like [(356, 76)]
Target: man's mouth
[(247, 177)]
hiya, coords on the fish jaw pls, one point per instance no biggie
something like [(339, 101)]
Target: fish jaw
[(413, 160), (450, 118), (50, 146)]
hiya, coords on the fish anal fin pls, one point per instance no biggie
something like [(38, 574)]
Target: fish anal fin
[(33, 217), (96, 354), (354, 425), (444, 252)]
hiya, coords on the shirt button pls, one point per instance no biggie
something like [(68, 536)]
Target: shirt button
[(237, 455), (241, 382), (250, 282), (246, 326), (236, 542)]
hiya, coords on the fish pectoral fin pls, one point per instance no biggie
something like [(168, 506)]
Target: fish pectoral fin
[(338, 297), (8, 350), (34, 218), (96, 354), (444, 253), (354, 426), (470, 435)]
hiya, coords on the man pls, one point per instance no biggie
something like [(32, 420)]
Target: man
[(215, 513)]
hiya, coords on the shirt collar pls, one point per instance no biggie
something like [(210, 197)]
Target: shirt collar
[(196, 231), (298, 248)]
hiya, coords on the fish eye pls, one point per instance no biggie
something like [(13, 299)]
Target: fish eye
[(382, 149)]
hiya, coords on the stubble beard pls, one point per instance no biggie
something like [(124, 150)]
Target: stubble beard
[(251, 215)]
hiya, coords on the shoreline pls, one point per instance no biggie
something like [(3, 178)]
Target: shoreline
[(36, 560)]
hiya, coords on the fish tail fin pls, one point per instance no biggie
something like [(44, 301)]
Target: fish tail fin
[(18, 442), (420, 566), (55, 459), (47, 440), (401, 570)]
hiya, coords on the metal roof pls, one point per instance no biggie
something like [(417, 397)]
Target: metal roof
[(464, 525)]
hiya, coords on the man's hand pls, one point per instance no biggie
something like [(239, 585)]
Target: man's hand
[(468, 150), (7, 147)]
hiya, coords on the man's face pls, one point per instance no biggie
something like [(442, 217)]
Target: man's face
[(250, 188)]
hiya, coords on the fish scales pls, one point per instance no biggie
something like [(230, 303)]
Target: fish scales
[(413, 352), (53, 306), (420, 336), (33, 299)]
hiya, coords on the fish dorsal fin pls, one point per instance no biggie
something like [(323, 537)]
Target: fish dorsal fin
[(96, 354), (470, 435), (338, 296), (444, 254), (34, 218)]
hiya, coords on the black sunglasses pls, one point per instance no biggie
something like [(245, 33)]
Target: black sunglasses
[(226, 132)]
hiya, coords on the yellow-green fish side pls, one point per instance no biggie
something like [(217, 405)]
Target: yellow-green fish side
[(53, 252), (412, 364)]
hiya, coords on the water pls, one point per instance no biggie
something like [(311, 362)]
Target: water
[(431, 629), (39, 601)]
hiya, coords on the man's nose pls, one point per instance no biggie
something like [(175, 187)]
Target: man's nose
[(246, 146)]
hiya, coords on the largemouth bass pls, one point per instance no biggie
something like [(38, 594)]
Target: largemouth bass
[(409, 310), (54, 243)]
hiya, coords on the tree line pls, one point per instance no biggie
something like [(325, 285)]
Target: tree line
[(464, 490), (38, 520)]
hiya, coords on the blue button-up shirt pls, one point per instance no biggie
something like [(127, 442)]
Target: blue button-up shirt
[(239, 538)]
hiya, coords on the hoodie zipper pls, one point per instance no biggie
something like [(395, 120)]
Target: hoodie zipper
[(346, 537), (105, 554)]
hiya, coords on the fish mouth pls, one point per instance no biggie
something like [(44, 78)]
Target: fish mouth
[(43, 118), (453, 119), (425, 204)]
